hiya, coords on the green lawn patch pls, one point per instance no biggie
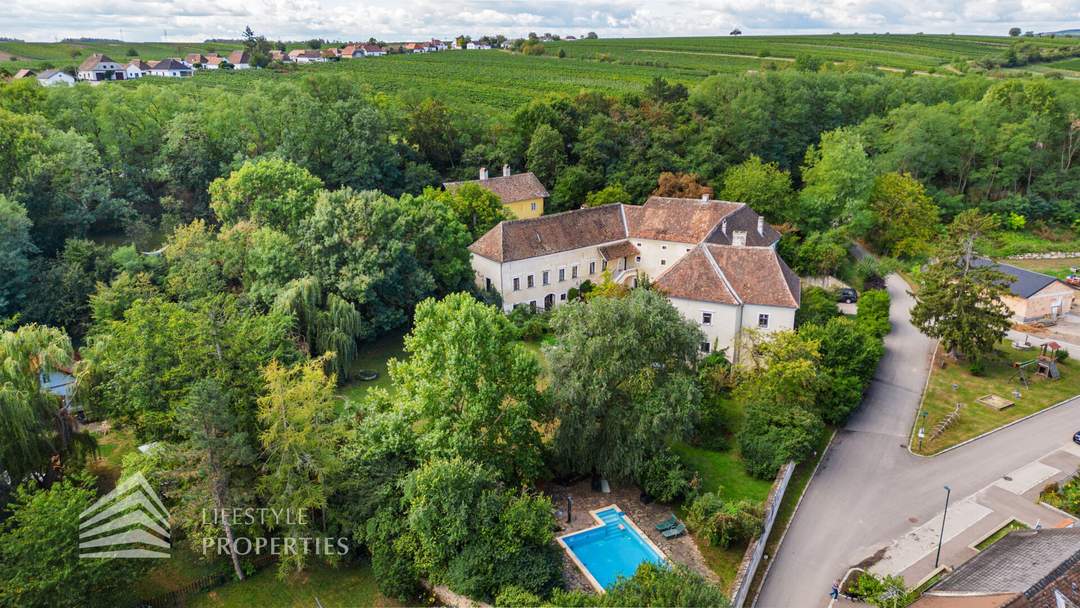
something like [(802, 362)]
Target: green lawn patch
[(1056, 268), (976, 418), (1011, 526), (1006, 243), (374, 356), (352, 585), (112, 448), (723, 472), (182, 568)]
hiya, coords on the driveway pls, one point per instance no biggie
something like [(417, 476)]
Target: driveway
[(869, 489)]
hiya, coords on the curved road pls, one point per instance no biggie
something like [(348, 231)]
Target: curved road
[(869, 489)]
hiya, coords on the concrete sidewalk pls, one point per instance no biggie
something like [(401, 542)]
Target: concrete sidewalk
[(973, 518)]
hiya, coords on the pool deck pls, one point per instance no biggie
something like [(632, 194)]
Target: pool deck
[(680, 550), (600, 524)]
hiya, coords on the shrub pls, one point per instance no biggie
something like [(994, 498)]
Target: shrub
[(1061, 354), (713, 430), (772, 436), (977, 367), (533, 325), (873, 313), (516, 597), (665, 478), (654, 585), (724, 523), (817, 306), (886, 591)]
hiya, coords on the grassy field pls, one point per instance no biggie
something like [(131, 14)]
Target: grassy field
[(976, 418), (374, 356), (1056, 268), (914, 52), (331, 587), (59, 54)]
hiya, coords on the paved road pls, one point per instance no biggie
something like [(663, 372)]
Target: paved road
[(869, 489)]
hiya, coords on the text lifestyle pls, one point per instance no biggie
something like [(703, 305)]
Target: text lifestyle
[(256, 515)]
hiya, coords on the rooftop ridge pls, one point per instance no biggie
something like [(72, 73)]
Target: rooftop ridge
[(720, 272)]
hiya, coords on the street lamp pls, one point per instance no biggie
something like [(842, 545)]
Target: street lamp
[(941, 538)]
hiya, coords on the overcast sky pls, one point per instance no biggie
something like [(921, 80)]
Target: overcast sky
[(186, 20)]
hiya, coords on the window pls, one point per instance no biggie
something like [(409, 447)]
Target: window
[(529, 282), (637, 259), (562, 275), (573, 272), (517, 283), (592, 267), (532, 305), (763, 320), (603, 265), (663, 246), (562, 297), (706, 318), (487, 284), (663, 262), (533, 206), (545, 277), (705, 347)]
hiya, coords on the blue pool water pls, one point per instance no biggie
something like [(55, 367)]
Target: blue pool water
[(609, 552)]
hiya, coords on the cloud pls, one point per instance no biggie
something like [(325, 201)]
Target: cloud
[(46, 20)]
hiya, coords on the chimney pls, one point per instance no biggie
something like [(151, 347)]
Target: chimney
[(723, 226), (506, 170), (761, 225), (705, 197), (483, 173)]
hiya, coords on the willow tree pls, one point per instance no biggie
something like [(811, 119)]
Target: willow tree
[(32, 424), (326, 322)]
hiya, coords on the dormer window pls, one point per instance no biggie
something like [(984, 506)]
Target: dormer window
[(738, 238)]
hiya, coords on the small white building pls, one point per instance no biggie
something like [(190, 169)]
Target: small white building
[(715, 260), (99, 67), (240, 60), (136, 69), (372, 50), (171, 68), (50, 78), (306, 56)]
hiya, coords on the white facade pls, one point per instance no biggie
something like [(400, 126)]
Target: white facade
[(132, 72), (56, 78), (102, 71)]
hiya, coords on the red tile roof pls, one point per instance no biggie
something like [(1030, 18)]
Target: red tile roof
[(682, 220), (510, 189), (521, 239), (728, 275)]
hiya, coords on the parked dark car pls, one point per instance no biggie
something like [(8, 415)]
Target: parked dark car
[(1076, 437), (848, 295)]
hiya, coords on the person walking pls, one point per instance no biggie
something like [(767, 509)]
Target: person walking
[(835, 592)]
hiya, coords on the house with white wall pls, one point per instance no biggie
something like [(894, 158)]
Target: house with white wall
[(99, 67), (50, 78), (136, 69), (171, 68), (715, 260), (240, 60)]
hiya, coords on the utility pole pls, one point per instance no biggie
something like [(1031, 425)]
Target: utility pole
[(941, 537)]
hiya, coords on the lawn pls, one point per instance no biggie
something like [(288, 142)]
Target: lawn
[(1011, 526), (374, 356), (975, 418), (1059, 267), (182, 568), (1006, 243), (111, 450), (322, 585), (722, 472)]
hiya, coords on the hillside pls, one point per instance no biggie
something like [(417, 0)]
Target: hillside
[(61, 54)]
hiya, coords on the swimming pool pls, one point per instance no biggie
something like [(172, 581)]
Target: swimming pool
[(613, 548)]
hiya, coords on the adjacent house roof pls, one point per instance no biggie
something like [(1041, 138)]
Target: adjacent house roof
[(371, 48), (215, 60), (170, 64), (92, 62), (238, 57), (140, 65), (194, 58), (23, 73), (1023, 563), (730, 275), (520, 239), (758, 232), (510, 189), (47, 74), (306, 53), (683, 220), (1026, 283), (350, 49)]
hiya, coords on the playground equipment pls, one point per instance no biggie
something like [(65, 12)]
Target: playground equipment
[(1044, 365), (946, 422)]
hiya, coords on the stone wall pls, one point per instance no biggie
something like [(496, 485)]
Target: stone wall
[(1051, 255), (744, 578)]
